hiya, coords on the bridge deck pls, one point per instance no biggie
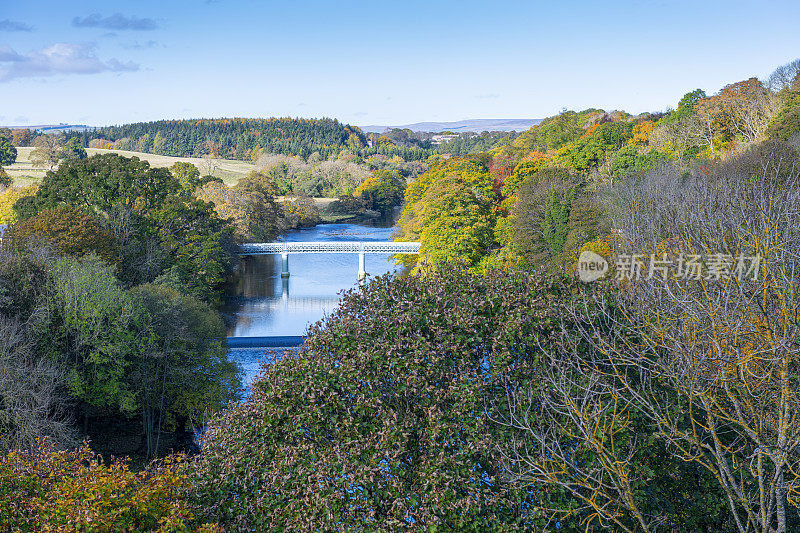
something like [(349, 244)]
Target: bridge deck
[(356, 247)]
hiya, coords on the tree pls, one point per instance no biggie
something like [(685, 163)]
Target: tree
[(5, 179), (785, 77), (705, 364), (73, 150), (33, 406), (182, 372), (541, 216), (379, 423), (576, 430), (299, 212), (46, 152), (748, 106), (8, 154), (159, 230), (383, 190), (70, 230), (89, 330), (456, 223), (188, 176), (9, 198), (48, 490), (21, 137), (724, 344), (250, 204)]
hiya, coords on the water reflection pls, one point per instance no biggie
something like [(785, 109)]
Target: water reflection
[(262, 304)]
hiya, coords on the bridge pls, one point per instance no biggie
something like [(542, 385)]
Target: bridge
[(353, 247)]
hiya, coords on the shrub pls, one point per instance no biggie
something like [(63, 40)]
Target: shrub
[(49, 490)]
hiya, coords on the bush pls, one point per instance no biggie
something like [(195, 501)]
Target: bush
[(47, 490)]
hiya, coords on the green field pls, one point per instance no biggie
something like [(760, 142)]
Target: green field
[(24, 173)]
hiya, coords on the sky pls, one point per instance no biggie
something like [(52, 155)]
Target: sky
[(380, 62)]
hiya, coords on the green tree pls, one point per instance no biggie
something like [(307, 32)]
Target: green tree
[(8, 154), (380, 423), (457, 223), (73, 149), (159, 230), (89, 329), (182, 370), (187, 175)]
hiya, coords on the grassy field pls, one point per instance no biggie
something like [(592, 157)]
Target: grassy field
[(24, 173)]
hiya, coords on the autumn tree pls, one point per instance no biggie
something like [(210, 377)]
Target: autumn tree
[(705, 363), (45, 489), (748, 106), (382, 191), (457, 223), (9, 198), (70, 230), (250, 204), (21, 137)]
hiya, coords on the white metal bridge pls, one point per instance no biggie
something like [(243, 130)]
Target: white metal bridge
[(356, 247), (353, 247)]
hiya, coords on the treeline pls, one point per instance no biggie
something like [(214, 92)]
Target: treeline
[(538, 199), (243, 139)]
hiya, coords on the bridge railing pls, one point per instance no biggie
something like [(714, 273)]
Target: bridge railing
[(355, 247)]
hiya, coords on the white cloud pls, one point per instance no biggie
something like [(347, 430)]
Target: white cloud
[(58, 59)]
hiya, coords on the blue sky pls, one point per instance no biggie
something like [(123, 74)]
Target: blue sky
[(377, 62)]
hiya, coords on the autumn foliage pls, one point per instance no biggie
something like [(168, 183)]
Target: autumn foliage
[(50, 490)]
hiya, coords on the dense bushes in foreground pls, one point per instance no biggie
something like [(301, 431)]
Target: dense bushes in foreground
[(48, 490)]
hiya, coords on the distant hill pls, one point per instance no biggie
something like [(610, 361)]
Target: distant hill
[(52, 128), (476, 125)]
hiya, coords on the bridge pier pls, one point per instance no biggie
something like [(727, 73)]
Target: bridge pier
[(362, 272), (285, 265)]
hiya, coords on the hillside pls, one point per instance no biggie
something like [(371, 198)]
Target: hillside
[(229, 171), (473, 125)]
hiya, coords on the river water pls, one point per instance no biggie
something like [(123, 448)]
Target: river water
[(261, 304)]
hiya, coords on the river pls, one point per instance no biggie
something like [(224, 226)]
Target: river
[(261, 304)]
